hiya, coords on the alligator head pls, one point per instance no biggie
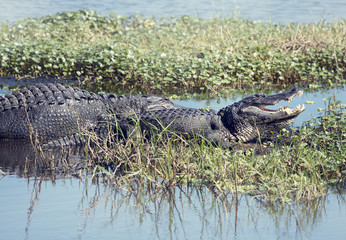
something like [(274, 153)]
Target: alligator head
[(249, 118)]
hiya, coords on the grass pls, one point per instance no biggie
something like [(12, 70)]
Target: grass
[(192, 55), (175, 55), (298, 167)]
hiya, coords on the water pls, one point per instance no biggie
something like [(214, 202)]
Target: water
[(61, 207), (278, 11), (75, 209), (58, 206), (311, 109)]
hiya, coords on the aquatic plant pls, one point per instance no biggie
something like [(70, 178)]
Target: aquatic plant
[(297, 166), (174, 55)]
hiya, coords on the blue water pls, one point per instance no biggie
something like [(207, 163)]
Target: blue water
[(278, 11), (75, 209), (71, 208), (78, 209)]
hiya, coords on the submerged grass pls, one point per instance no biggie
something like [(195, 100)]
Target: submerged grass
[(297, 167), (175, 55)]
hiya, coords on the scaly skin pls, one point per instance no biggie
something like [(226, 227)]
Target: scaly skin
[(240, 122), (55, 112)]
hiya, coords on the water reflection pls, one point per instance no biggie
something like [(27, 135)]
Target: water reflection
[(93, 208), (25, 160), (49, 196), (51, 201)]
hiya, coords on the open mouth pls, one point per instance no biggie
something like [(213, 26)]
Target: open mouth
[(286, 109), (289, 111), (264, 115)]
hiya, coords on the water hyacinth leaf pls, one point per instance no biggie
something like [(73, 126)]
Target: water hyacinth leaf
[(187, 50)]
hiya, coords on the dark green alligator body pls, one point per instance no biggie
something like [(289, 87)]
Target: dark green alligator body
[(54, 113), (239, 122)]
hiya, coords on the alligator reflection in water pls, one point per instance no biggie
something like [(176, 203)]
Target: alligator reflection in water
[(144, 211), (87, 206), (25, 160)]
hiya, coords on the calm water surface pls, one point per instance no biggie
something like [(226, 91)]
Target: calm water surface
[(279, 11), (70, 208), (60, 207), (75, 209), (311, 109)]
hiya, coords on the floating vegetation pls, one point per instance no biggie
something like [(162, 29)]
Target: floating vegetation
[(174, 55)]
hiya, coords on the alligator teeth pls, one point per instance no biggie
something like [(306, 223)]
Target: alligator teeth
[(282, 108), (288, 110), (299, 108), (297, 94)]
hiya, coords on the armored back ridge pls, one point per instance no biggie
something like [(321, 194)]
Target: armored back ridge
[(123, 106), (55, 112), (48, 111)]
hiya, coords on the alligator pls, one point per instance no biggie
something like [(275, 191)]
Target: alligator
[(25, 160), (54, 113), (242, 121)]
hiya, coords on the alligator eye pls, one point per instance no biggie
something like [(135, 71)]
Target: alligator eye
[(260, 95)]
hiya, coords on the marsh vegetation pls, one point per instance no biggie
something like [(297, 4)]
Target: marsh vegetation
[(296, 165), (174, 55), (191, 55)]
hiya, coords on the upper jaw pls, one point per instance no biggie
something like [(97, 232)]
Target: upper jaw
[(285, 96), (267, 115)]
